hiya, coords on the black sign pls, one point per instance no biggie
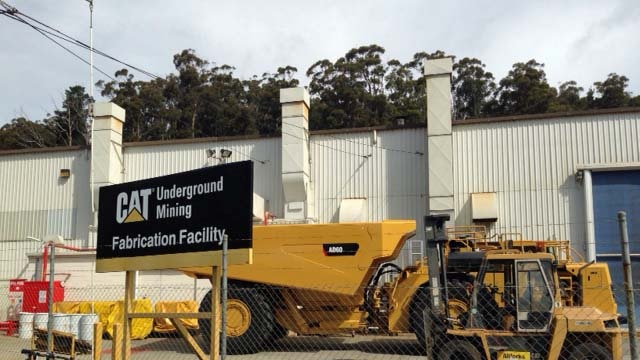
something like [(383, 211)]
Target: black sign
[(181, 213), (341, 249)]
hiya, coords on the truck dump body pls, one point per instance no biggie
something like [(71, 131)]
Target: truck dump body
[(331, 258)]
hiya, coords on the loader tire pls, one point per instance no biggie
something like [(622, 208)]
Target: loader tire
[(250, 320), (421, 300), (590, 351), (458, 350)]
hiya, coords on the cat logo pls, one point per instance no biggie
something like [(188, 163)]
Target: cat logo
[(133, 208)]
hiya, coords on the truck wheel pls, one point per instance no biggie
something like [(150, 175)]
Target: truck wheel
[(591, 351), (250, 320), (458, 350)]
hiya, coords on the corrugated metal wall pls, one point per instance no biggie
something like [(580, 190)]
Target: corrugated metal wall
[(148, 161), (344, 166), (37, 202), (389, 171), (532, 164)]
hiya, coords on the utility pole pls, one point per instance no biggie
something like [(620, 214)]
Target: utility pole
[(93, 206), (90, 48)]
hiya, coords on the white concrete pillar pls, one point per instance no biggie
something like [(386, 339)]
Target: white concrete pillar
[(298, 195), (439, 138), (107, 165)]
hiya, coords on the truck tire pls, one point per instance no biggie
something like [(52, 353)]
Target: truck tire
[(590, 351), (421, 300), (250, 320), (279, 332), (458, 350)]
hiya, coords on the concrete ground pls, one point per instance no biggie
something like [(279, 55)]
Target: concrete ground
[(330, 348), (360, 347)]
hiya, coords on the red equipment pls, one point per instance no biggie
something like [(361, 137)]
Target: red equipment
[(35, 295)]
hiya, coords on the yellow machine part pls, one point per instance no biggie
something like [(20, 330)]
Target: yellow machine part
[(596, 285), (513, 355), (292, 255), (313, 312), (401, 298)]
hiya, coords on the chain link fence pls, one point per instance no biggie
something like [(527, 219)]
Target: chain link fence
[(391, 319)]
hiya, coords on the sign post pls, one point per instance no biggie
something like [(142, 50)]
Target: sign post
[(177, 221)]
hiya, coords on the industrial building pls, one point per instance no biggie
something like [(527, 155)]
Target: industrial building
[(549, 176)]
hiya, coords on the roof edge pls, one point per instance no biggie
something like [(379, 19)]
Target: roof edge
[(623, 110), (42, 150), (195, 140), (364, 129)]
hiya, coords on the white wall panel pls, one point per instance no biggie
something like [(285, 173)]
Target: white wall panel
[(142, 162), (37, 202), (390, 174), (531, 164)]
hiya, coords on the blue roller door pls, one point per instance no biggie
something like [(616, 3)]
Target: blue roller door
[(615, 191)]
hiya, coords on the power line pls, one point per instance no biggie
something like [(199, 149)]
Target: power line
[(329, 147), (252, 158), (9, 9), (43, 33), (84, 45), (16, 16), (370, 145)]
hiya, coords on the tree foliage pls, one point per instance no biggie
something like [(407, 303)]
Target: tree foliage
[(568, 98), (611, 92), (21, 133), (350, 91), (472, 88), (69, 124), (525, 90), (362, 88)]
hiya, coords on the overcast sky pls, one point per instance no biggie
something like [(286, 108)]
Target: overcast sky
[(576, 40)]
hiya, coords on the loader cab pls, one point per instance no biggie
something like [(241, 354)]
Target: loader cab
[(535, 297), (513, 293)]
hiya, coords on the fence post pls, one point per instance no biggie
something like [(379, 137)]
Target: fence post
[(223, 305), (628, 283)]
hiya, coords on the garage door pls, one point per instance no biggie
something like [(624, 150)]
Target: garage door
[(615, 191)]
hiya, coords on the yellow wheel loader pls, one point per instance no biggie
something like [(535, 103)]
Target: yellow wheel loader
[(524, 301), (324, 279)]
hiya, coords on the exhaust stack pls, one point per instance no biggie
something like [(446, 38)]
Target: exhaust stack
[(296, 159)]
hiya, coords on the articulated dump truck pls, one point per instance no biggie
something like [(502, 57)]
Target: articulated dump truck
[(323, 279)]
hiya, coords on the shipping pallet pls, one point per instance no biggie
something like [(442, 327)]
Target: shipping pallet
[(64, 345)]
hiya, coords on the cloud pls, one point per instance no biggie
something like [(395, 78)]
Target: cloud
[(577, 40)]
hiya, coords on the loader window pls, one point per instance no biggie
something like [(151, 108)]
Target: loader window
[(535, 301)]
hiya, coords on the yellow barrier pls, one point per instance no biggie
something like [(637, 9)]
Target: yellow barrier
[(72, 307), (110, 312), (164, 325)]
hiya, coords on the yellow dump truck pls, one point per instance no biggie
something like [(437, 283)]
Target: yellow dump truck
[(321, 279)]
